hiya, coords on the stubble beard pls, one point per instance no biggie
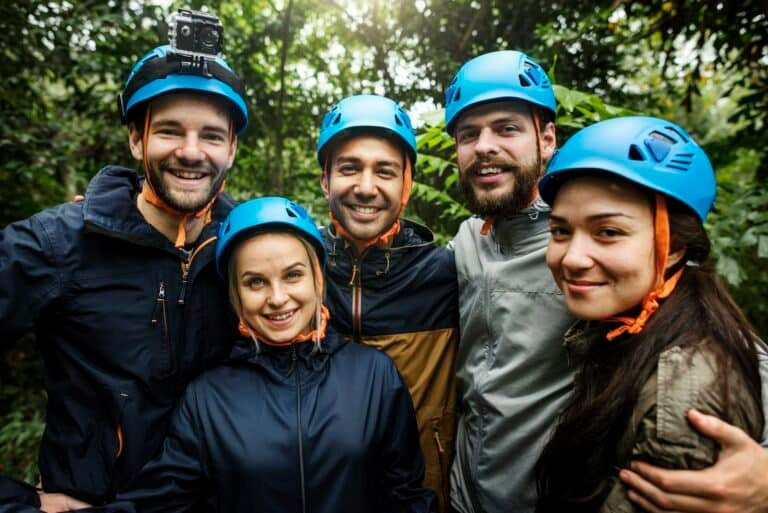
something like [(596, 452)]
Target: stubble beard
[(519, 196), (182, 201)]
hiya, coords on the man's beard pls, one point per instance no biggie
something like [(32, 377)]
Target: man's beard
[(520, 196), (184, 202)]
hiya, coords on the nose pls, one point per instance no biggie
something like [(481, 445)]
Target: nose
[(189, 150), (366, 185), (486, 142), (577, 256), (277, 296)]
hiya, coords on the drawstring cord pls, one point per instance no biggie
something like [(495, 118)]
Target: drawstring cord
[(663, 288)]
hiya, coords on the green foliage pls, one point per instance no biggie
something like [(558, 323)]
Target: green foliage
[(700, 63)]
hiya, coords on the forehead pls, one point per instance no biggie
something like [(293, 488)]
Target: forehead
[(591, 194), (367, 146), (203, 108), (270, 249), (494, 111)]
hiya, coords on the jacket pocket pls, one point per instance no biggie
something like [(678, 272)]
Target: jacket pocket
[(161, 356)]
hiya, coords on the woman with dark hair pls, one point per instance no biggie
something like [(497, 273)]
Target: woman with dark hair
[(297, 420), (658, 334)]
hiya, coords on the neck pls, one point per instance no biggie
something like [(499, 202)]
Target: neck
[(168, 224)]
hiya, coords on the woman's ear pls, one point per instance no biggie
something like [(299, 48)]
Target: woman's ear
[(675, 257)]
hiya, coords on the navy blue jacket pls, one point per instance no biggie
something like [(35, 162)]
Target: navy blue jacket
[(290, 430), (124, 321)]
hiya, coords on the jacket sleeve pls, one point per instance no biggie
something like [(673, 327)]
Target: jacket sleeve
[(17, 497), (29, 274), (686, 378), (173, 481), (400, 452)]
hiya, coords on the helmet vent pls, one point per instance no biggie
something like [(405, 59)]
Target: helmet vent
[(290, 212), (226, 228), (659, 145), (680, 161), (524, 81), (635, 153), (457, 94), (398, 121), (336, 119), (682, 135)]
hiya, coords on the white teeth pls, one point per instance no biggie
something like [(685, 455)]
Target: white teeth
[(364, 210), (489, 171), (188, 175), (280, 317)]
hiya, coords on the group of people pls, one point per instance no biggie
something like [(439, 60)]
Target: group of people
[(571, 350)]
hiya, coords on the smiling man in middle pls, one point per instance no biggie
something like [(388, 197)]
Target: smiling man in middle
[(390, 286)]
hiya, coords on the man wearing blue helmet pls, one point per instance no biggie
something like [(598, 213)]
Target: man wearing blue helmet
[(513, 376), (121, 288), (389, 285), (512, 370)]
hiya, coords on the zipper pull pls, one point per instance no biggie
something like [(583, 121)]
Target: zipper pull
[(184, 276), (353, 279), (159, 300)]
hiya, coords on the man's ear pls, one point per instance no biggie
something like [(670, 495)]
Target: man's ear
[(548, 141), (675, 257), (325, 186), (136, 142), (232, 152)]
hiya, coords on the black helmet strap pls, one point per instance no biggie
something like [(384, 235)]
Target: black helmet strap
[(175, 64)]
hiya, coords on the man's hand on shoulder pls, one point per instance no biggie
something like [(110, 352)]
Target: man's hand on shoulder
[(58, 503), (736, 483)]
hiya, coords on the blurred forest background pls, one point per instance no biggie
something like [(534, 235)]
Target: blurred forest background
[(703, 64)]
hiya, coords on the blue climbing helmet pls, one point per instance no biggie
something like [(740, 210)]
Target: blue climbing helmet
[(367, 111), (648, 151), (497, 76), (268, 214), (163, 71)]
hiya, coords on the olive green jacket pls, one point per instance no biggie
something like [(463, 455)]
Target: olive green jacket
[(658, 431)]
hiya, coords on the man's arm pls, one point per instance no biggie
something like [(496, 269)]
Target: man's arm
[(738, 482)]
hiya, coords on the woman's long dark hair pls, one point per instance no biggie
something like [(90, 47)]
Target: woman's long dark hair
[(577, 466)]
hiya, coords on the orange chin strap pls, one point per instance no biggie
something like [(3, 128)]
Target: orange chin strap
[(489, 220), (663, 288), (321, 318), (151, 197), (384, 239)]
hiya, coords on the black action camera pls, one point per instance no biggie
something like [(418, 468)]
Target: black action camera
[(195, 34)]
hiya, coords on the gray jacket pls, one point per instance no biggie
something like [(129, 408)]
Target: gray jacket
[(513, 374)]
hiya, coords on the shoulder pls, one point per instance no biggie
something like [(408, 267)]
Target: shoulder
[(685, 378)]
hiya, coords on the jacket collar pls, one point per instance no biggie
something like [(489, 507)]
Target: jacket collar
[(110, 208)]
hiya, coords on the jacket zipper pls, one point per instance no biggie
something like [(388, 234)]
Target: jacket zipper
[(357, 302), (161, 312), (298, 430), (186, 263)]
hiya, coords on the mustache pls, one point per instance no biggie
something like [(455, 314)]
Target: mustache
[(474, 166), (201, 167)]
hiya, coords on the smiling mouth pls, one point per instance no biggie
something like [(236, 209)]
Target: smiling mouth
[(186, 174), (280, 316), (363, 209), (489, 171)]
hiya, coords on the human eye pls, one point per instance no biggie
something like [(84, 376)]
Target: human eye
[(509, 128), (214, 137), (558, 232), (294, 275), (255, 282), (387, 172), (466, 135), (609, 232)]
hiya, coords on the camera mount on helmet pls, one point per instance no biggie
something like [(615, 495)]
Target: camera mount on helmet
[(191, 61)]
